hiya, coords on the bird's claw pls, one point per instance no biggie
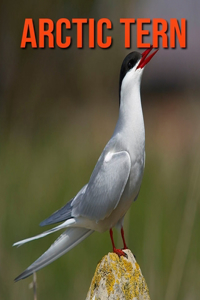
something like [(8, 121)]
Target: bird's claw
[(120, 252)]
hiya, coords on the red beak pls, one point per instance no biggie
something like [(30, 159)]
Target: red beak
[(145, 60)]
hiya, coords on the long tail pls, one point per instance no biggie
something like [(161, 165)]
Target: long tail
[(65, 242), (65, 224)]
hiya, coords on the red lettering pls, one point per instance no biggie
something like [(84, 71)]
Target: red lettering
[(47, 32), (91, 33), (127, 23), (59, 24), (162, 32), (28, 27), (176, 30), (79, 23), (100, 42), (141, 32)]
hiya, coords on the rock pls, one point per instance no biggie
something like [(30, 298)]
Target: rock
[(118, 278)]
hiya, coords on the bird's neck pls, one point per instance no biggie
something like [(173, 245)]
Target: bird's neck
[(130, 122)]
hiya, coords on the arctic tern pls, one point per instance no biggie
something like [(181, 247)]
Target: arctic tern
[(115, 181)]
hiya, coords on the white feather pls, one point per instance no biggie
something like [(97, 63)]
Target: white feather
[(66, 241), (45, 233)]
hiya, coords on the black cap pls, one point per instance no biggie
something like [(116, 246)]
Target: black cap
[(128, 63)]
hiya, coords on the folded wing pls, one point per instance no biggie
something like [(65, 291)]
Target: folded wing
[(105, 187)]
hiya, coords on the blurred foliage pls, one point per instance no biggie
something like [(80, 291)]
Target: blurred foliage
[(58, 108), (41, 174)]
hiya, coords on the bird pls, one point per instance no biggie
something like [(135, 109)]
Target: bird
[(115, 181)]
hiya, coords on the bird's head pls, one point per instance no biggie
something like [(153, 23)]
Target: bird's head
[(132, 68)]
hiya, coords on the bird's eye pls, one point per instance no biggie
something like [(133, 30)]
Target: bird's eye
[(130, 64)]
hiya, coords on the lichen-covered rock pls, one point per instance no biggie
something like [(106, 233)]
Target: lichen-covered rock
[(118, 278)]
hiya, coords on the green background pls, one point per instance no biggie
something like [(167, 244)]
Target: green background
[(58, 110)]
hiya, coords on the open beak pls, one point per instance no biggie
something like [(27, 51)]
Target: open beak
[(144, 60)]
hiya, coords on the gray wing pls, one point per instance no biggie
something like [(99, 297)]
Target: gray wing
[(63, 213), (105, 187)]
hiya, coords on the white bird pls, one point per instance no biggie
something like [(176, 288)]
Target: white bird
[(115, 181)]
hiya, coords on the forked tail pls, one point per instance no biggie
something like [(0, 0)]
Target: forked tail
[(65, 242)]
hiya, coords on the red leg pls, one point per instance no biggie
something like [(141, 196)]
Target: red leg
[(119, 252), (123, 238)]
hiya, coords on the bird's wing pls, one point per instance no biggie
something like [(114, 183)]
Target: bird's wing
[(63, 213), (105, 187), (66, 241)]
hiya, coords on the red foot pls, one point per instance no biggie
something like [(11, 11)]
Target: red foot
[(119, 252), (123, 238)]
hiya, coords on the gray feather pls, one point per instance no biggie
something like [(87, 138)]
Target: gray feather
[(105, 187), (60, 215), (67, 223), (63, 213), (66, 241)]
